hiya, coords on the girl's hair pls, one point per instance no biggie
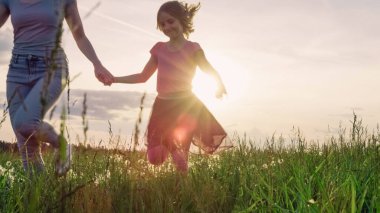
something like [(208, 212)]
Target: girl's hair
[(184, 12)]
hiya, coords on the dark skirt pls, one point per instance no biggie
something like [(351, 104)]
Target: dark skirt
[(183, 120)]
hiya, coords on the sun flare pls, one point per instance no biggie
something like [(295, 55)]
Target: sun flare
[(233, 77)]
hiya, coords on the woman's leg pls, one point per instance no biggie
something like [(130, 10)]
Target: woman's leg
[(30, 151), (26, 114)]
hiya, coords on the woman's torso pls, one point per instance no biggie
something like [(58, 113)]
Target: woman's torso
[(36, 25)]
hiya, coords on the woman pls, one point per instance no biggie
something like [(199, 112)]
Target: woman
[(38, 73)]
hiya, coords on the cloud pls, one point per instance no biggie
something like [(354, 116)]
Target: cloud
[(105, 105), (101, 105)]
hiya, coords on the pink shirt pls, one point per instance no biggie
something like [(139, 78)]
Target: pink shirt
[(176, 69)]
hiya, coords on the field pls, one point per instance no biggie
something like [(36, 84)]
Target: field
[(340, 175)]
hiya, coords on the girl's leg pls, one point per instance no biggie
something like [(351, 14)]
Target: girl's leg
[(157, 154), (180, 155), (182, 135)]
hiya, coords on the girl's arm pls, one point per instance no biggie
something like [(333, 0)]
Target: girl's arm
[(205, 66), (142, 77), (4, 14), (75, 23)]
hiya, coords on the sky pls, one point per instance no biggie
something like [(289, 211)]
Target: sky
[(286, 64)]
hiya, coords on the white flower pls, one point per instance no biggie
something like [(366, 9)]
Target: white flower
[(8, 164), (2, 170), (216, 157), (117, 158), (127, 163), (311, 201), (141, 161), (265, 166), (280, 161), (108, 174)]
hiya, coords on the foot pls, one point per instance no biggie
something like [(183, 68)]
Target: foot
[(63, 157)]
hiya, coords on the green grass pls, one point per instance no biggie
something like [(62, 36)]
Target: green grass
[(342, 175)]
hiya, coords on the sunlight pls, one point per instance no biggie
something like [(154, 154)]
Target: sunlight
[(234, 77), (204, 87)]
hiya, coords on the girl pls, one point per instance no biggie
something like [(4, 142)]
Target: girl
[(38, 73), (178, 117)]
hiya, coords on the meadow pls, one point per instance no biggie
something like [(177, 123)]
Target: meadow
[(339, 175)]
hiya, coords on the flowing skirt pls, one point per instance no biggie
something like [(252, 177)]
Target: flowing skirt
[(183, 120)]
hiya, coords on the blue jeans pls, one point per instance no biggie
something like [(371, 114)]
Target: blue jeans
[(34, 84)]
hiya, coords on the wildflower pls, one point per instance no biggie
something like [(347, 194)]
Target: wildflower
[(216, 157), (127, 163), (117, 158), (72, 174), (280, 161), (97, 181), (108, 174), (311, 201), (8, 164), (141, 161), (11, 171), (11, 178), (2, 170), (265, 166)]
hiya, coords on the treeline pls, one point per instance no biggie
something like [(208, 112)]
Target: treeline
[(8, 147), (12, 147)]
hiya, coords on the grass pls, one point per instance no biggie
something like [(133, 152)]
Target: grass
[(339, 176)]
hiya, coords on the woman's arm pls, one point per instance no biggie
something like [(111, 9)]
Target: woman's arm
[(142, 77), (4, 14), (206, 67), (75, 23)]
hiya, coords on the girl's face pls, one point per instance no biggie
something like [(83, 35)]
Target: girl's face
[(170, 26)]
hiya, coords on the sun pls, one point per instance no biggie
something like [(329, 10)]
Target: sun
[(233, 75), (204, 87)]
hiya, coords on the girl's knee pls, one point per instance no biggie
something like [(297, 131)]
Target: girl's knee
[(157, 155)]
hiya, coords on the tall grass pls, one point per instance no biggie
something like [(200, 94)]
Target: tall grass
[(341, 175)]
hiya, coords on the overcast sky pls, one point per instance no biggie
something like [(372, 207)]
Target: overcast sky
[(308, 64)]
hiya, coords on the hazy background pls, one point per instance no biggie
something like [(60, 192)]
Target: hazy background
[(285, 63)]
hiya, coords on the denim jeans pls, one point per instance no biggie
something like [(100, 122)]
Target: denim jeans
[(34, 84)]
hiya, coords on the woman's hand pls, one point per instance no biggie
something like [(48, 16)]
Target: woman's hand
[(103, 75)]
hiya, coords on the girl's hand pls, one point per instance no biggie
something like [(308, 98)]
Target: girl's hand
[(220, 92), (103, 75)]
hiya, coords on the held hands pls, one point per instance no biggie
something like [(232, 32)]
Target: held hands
[(103, 75)]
